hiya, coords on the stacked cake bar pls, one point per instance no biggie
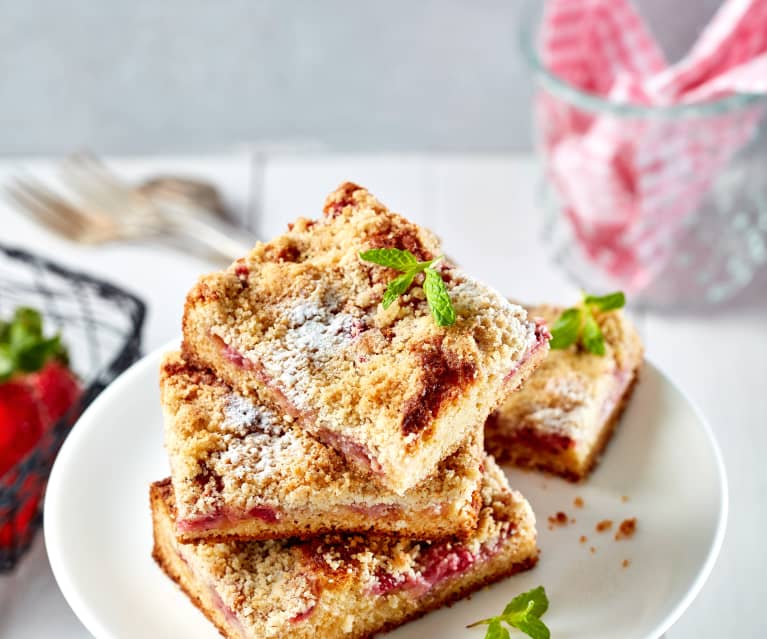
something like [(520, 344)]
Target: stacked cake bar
[(563, 417), (328, 474)]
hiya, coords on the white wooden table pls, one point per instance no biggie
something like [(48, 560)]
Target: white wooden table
[(484, 208)]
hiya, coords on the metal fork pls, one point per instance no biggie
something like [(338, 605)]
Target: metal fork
[(107, 209)]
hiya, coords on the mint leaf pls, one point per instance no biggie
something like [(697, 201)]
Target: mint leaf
[(434, 287), (397, 287), (533, 601), (391, 257), (523, 613), (437, 296), (496, 631), (592, 337), (609, 302), (532, 626), (578, 324), (564, 331)]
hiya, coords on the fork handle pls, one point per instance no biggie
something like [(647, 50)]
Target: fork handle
[(199, 225)]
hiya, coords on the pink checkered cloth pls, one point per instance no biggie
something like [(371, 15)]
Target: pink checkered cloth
[(628, 183)]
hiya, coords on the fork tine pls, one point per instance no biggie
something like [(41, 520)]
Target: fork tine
[(93, 176), (53, 200), (41, 212)]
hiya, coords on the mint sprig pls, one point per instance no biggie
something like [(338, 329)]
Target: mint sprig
[(524, 613), (577, 324), (23, 347), (433, 285)]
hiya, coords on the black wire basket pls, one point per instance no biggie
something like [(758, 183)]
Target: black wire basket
[(100, 324)]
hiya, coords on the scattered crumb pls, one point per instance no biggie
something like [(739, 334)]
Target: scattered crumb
[(593, 550), (584, 539), (626, 563), (578, 502), (604, 525), (572, 520), (625, 498), (560, 519), (627, 529)]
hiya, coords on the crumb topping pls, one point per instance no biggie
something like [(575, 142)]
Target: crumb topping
[(267, 584), (304, 310), (227, 452), (573, 391)]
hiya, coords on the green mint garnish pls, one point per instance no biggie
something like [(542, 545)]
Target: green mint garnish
[(609, 302), (398, 286), (592, 337), (439, 301), (524, 613), (577, 324), (393, 258), (434, 287), (565, 330), (23, 347)]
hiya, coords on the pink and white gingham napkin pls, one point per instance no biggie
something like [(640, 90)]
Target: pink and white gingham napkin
[(628, 183)]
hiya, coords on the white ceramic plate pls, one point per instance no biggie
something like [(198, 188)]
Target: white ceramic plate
[(663, 458)]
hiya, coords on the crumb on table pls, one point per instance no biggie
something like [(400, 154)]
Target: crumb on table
[(560, 519), (583, 539), (627, 529), (593, 550), (578, 502), (625, 498), (626, 563), (604, 525)]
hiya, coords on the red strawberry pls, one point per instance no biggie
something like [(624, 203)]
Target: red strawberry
[(21, 422), (57, 388)]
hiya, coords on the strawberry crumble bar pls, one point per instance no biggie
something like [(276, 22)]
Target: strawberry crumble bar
[(342, 586), (562, 418), (240, 471), (300, 318)]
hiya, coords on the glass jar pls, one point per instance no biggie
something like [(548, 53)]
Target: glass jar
[(667, 203)]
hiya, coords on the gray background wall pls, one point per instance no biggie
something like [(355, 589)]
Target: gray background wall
[(180, 75)]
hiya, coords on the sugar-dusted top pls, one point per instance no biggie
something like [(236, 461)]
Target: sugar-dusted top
[(268, 584), (305, 310), (567, 392), (228, 451)]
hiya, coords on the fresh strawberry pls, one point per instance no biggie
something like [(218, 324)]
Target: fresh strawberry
[(57, 388), (21, 422), (36, 390)]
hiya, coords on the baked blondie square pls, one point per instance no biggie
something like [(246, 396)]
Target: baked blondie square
[(240, 471), (300, 317), (562, 418), (342, 586)]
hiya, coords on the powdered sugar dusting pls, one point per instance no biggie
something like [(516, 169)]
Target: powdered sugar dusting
[(256, 445), (315, 335), (243, 415)]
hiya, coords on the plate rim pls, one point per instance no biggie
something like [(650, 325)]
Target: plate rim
[(74, 598)]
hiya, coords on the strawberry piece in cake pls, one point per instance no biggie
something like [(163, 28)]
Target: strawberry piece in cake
[(343, 585), (240, 471), (300, 317), (562, 418)]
